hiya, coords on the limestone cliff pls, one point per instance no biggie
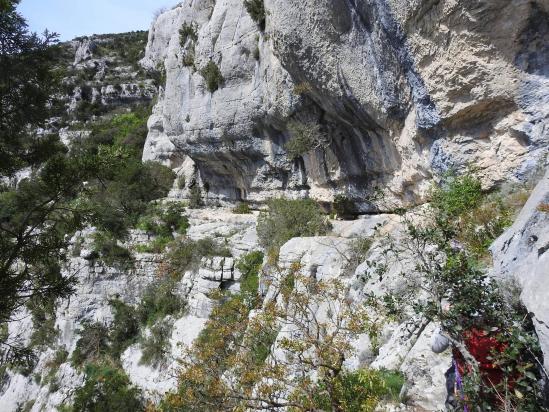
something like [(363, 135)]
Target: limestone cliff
[(401, 90), (398, 92)]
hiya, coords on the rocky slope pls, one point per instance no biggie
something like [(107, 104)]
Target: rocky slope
[(402, 90)]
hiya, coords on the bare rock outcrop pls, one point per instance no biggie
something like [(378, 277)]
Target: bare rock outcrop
[(522, 254), (399, 90)]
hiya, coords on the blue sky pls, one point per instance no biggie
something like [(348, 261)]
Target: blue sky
[(73, 18)]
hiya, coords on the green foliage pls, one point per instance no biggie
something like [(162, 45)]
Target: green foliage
[(155, 346), (186, 32), (256, 9), (242, 209), (249, 266), (189, 56), (448, 284), (110, 252), (43, 320), (456, 195), (344, 207), (35, 218), (286, 219), (361, 390), (124, 329), (185, 254), (195, 197), (212, 75), (162, 221), (159, 300), (304, 138), (129, 48), (480, 226), (28, 79), (358, 251), (106, 388), (93, 344), (53, 365)]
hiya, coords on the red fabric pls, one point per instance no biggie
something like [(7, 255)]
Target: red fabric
[(482, 346)]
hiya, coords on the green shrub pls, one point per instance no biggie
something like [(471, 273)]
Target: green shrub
[(53, 365), (162, 221), (358, 251), (188, 31), (159, 300), (361, 390), (344, 207), (482, 225), (189, 57), (456, 195), (212, 75), (92, 345), (155, 346), (478, 219), (124, 329), (242, 209), (110, 252), (256, 9), (249, 266), (286, 219), (106, 388), (195, 197), (44, 332), (185, 254), (304, 138)]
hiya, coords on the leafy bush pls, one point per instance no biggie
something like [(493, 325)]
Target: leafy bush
[(195, 197), (444, 267), (361, 390), (212, 75), (189, 57), (124, 329), (256, 9), (43, 320), (249, 266), (162, 221), (358, 251), (456, 195), (155, 346), (92, 345), (344, 206), (242, 209), (159, 300), (482, 225), (110, 252), (106, 388), (185, 254), (286, 219), (187, 31), (304, 138)]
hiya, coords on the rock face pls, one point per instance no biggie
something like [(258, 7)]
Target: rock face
[(399, 90), (522, 254)]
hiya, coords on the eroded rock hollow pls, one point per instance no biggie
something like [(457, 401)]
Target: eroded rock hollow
[(399, 91)]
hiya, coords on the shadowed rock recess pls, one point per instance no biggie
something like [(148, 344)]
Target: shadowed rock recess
[(399, 90)]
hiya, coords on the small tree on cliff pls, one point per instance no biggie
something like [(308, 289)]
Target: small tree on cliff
[(288, 356), (442, 248)]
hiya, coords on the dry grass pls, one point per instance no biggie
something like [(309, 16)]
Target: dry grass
[(543, 207), (302, 88)]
